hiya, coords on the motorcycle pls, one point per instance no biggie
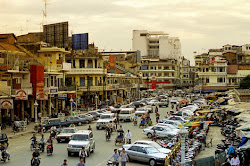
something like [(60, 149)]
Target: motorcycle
[(35, 162), (135, 122), (33, 145), (41, 146), (3, 157), (49, 150), (53, 134), (111, 163), (107, 136)]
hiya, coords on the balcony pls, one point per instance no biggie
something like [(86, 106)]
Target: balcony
[(220, 64), (215, 84), (212, 73), (87, 71), (91, 88)]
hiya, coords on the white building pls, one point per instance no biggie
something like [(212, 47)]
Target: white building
[(156, 44)]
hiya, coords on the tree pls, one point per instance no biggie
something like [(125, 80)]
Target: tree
[(245, 82)]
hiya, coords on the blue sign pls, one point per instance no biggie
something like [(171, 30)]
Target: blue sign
[(62, 97)]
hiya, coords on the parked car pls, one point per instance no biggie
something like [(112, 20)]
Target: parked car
[(86, 117), (82, 138), (141, 111), (161, 132), (153, 102), (174, 100), (127, 114), (55, 122), (76, 120), (151, 143), (101, 111), (178, 118), (104, 120), (163, 103), (149, 108), (172, 122), (65, 134), (138, 104), (171, 127), (183, 113), (94, 114), (146, 154)]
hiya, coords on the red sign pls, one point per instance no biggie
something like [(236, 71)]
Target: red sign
[(21, 95), (112, 61), (71, 95)]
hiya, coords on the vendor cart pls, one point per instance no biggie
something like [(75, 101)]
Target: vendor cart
[(120, 137)]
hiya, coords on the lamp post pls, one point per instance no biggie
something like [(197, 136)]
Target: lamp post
[(182, 135), (71, 102), (96, 97), (36, 105)]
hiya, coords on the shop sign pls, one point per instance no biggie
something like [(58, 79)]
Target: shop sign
[(21, 95), (62, 96), (71, 95), (53, 90), (6, 103), (42, 96)]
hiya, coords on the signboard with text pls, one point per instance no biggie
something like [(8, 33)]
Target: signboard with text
[(21, 95), (62, 96), (42, 96), (6, 103), (71, 95)]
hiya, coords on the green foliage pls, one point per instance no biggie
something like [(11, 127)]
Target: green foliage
[(245, 82)]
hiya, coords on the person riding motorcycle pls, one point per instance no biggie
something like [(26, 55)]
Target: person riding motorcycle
[(50, 142), (35, 154), (53, 131), (108, 130), (33, 139), (4, 152), (42, 142)]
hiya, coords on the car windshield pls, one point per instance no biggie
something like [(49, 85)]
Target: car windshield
[(151, 150), (105, 117), (124, 112), (80, 137), (68, 131), (82, 116)]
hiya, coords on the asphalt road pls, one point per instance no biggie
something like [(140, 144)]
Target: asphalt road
[(21, 154)]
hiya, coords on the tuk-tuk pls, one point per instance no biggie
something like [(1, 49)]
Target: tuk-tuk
[(4, 139)]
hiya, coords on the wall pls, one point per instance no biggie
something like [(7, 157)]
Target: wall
[(140, 42)]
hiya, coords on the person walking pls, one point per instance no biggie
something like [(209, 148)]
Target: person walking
[(128, 136), (116, 157), (235, 161), (64, 163), (156, 109), (81, 163), (124, 157), (83, 154)]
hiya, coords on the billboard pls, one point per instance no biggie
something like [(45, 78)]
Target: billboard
[(112, 63), (37, 78), (80, 41), (62, 96), (42, 96), (6, 104), (21, 95), (56, 34)]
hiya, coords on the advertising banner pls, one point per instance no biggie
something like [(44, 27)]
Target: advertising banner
[(112, 63), (62, 96), (42, 96), (21, 95), (71, 95), (6, 103)]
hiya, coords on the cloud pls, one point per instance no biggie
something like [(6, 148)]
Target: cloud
[(198, 23)]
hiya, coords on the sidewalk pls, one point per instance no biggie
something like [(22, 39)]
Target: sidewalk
[(11, 135), (214, 132)]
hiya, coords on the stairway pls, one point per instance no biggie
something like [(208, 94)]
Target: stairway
[(124, 70)]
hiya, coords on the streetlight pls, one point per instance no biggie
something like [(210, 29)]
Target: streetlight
[(182, 134), (96, 97), (71, 102), (36, 105)]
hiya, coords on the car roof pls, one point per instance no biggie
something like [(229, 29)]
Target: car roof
[(83, 132), (141, 145), (145, 141), (70, 128), (108, 114)]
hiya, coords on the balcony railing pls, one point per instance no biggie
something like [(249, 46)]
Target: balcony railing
[(212, 73), (220, 64), (87, 71)]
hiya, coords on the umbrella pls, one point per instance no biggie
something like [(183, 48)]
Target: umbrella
[(191, 124), (184, 101)]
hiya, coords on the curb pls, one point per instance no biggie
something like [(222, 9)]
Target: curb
[(19, 135)]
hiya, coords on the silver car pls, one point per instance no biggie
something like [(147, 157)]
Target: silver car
[(145, 153)]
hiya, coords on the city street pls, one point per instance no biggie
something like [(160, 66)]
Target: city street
[(21, 154)]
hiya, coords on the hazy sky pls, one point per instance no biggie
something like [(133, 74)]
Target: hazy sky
[(200, 24)]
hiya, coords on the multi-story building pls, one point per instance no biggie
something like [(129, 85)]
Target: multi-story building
[(156, 45), (187, 73), (164, 71)]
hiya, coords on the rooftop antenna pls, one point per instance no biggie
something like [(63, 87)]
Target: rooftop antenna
[(45, 12)]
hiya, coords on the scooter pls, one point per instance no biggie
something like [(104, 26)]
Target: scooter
[(35, 162), (3, 157), (33, 145), (107, 136), (41, 146)]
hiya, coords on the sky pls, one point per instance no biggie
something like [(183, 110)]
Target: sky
[(200, 24)]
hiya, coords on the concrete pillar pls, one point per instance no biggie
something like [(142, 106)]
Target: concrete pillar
[(49, 105), (32, 108), (63, 104), (45, 111), (41, 106), (86, 63), (23, 109), (56, 105)]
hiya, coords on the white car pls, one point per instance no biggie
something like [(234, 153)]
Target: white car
[(151, 143), (178, 118), (149, 108), (171, 127), (161, 132), (104, 120), (141, 111), (153, 102), (174, 101), (127, 114)]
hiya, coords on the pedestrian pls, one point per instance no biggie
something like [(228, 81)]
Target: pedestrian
[(116, 157), (204, 141), (64, 163), (90, 128), (115, 122), (81, 163), (128, 136), (124, 157), (83, 154), (150, 122), (235, 161), (156, 109)]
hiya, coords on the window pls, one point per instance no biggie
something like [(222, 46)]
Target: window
[(159, 68), (220, 79), (90, 64), (60, 56), (134, 148), (82, 63), (143, 34), (207, 80), (82, 81)]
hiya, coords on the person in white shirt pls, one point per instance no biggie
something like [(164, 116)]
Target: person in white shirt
[(235, 161), (128, 136)]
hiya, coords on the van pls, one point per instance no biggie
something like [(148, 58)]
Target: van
[(104, 120), (127, 114)]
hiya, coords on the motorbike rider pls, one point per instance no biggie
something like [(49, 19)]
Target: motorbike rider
[(50, 142), (108, 130), (83, 154), (34, 155), (4, 152), (33, 139), (42, 142), (53, 131)]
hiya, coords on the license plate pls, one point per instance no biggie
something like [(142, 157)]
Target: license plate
[(63, 139)]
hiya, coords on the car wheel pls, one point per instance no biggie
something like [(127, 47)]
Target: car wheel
[(152, 162), (79, 124), (69, 154), (149, 135)]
